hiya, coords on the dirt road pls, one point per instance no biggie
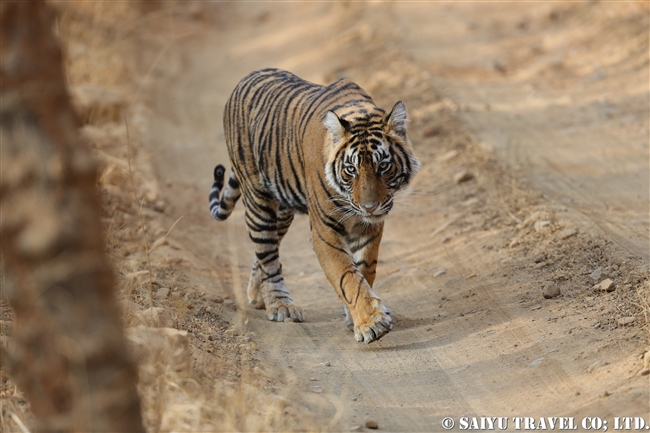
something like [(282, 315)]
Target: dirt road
[(558, 150), (566, 109)]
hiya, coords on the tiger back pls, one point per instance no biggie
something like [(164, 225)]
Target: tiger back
[(327, 151)]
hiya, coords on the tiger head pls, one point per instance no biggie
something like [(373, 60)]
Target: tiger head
[(369, 158)]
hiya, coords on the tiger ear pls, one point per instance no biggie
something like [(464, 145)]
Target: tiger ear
[(337, 126), (397, 120)]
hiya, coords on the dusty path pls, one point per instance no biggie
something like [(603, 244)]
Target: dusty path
[(566, 109), (477, 340)]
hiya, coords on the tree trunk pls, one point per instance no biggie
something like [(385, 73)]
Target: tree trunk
[(69, 359)]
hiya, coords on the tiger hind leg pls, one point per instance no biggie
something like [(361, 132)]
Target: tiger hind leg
[(266, 287)]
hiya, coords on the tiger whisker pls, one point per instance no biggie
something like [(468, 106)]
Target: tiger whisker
[(338, 209), (348, 213)]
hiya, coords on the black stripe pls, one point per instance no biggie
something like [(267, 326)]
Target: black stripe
[(345, 296), (264, 241), (363, 245), (330, 245)]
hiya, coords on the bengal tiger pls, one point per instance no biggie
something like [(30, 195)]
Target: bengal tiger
[(325, 151)]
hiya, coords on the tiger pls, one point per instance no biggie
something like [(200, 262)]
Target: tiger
[(325, 151)]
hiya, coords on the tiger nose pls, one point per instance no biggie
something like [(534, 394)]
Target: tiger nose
[(369, 207)]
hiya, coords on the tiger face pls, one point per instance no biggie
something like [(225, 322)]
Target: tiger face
[(369, 158)]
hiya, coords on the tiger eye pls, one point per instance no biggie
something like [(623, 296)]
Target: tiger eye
[(350, 170)]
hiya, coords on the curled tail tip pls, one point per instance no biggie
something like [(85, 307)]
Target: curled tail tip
[(219, 172)]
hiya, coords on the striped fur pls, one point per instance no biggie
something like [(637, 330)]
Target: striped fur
[(326, 151)]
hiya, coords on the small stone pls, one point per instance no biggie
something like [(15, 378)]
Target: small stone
[(463, 176), (596, 275), (551, 290), (228, 302), (439, 272), (162, 293), (541, 226), (356, 428), (372, 424), (539, 257), (605, 286), (328, 364), (559, 275), (597, 364), (644, 372), (536, 363), (646, 360), (625, 321), (566, 233), (605, 394), (313, 379), (515, 242)]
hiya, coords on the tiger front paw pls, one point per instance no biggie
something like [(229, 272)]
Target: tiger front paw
[(280, 311), (374, 327)]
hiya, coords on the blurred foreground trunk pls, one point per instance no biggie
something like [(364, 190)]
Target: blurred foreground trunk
[(69, 357)]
